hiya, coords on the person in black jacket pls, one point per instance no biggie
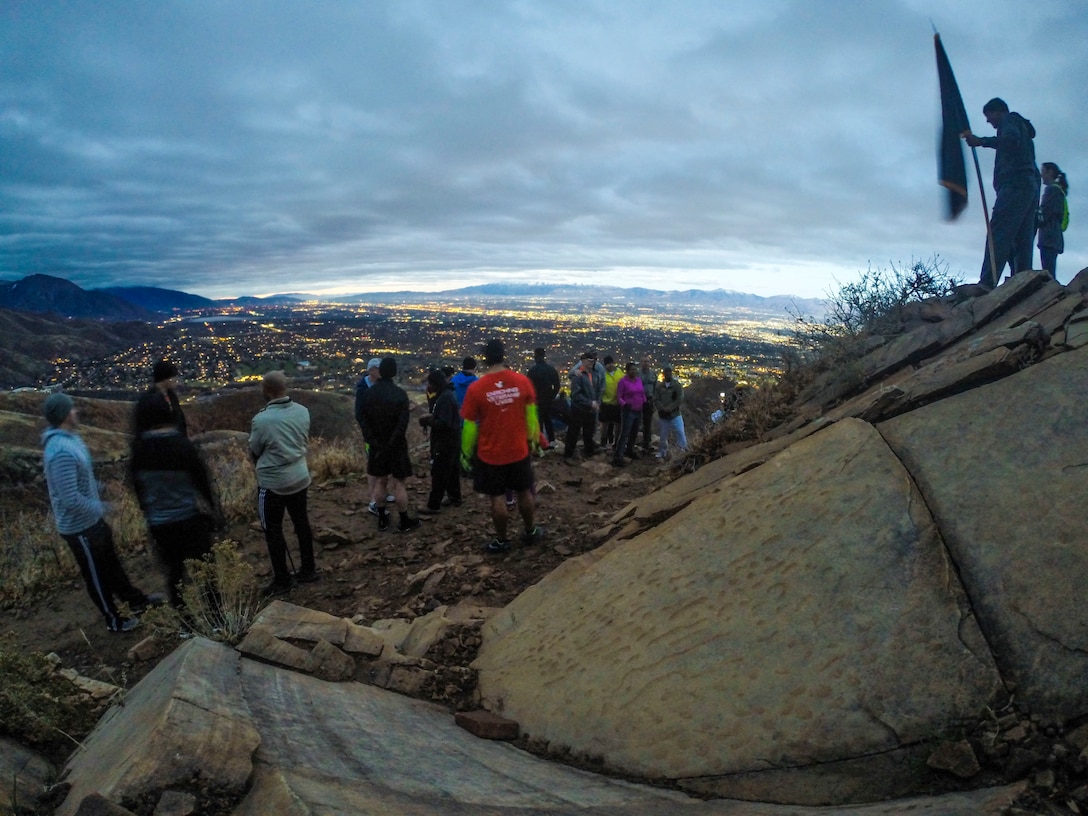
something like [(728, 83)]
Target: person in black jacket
[(545, 381), (444, 424), (165, 380), (383, 417), (174, 492), (1016, 182)]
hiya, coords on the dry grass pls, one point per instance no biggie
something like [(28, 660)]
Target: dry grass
[(38, 707), (33, 556), (334, 458)]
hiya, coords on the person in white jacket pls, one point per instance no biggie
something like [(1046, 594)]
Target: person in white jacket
[(278, 438)]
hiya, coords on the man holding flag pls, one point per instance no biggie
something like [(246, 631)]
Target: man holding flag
[(1016, 182), (1016, 178)]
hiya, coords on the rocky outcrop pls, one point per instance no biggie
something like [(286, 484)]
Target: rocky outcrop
[(190, 721), (319, 747), (800, 620), (25, 774)]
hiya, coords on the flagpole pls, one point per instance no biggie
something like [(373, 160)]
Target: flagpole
[(995, 274)]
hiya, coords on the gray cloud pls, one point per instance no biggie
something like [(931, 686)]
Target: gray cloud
[(290, 146)]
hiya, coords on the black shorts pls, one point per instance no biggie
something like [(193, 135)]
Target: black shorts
[(495, 480), (389, 462)]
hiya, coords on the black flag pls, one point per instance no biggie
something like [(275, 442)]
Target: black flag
[(951, 169)]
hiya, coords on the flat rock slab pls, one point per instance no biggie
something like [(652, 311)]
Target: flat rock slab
[(1004, 470), (351, 749), (354, 749), (805, 613)]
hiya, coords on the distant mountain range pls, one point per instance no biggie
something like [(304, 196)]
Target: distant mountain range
[(48, 294)]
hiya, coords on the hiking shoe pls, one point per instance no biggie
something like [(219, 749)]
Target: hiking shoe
[(125, 625), (277, 587), (497, 546), (306, 576), (535, 537), (408, 526), (447, 502), (372, 508)]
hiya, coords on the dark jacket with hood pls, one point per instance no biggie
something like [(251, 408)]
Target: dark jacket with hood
[(1015, 158)]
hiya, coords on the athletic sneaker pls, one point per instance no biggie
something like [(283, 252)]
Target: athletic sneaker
[(497, 546), (372, 508), (125, 625), (409, 525), (535, 537)]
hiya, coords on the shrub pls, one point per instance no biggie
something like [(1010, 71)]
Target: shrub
[(871, 306), (221, 597), (858, 315)]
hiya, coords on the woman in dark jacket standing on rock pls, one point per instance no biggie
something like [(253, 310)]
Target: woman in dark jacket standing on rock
[(1053, 217)]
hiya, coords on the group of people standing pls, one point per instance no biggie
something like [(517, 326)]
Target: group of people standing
[(486, 426), (175, 492), (621, 403), (1018, 214)]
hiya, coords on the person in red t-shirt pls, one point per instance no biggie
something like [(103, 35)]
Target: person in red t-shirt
[(501, 431)]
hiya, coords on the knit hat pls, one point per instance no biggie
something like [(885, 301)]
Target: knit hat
[(494, 352), (163, 370), (387, 369), (436, 379), (374, 363), (469, 363), (57, 407)]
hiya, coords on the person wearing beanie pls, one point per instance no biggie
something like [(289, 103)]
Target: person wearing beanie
[(444, 424), (545, 380), (164, 375), (78, 513), (175, 494), (501, 432), (370, 378), (278, 437), (383, 418), (463, 379)]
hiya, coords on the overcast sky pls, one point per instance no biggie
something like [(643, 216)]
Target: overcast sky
[(772, 147)]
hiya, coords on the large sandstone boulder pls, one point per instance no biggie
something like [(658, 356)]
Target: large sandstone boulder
[(1004, 470), (186, 721), (801, 613)]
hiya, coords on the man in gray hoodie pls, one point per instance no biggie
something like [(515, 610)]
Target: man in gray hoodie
[(78, 512)]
